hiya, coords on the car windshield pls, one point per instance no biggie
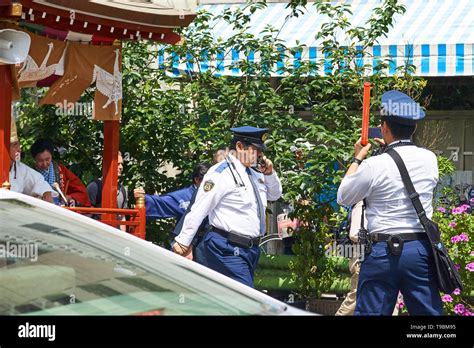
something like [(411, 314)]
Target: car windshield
[(53, 265)]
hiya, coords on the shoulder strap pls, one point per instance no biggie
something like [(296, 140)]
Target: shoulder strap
[(414, 196)]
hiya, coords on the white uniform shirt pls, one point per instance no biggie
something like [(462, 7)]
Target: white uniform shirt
[(28, 181), (231, 207), (389, 209)]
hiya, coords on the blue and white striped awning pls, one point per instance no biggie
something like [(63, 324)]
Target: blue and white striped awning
[(437, 36)]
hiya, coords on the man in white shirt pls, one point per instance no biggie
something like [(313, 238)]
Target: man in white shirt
[(234, 195), (24, 179), (408, 265)]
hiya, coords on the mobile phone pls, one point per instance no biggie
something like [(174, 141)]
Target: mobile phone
[(261, 164), (375, 132)]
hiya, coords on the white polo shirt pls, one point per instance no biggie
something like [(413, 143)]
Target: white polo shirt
[(389, 209)]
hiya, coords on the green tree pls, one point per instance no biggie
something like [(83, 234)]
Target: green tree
[(184, 120)]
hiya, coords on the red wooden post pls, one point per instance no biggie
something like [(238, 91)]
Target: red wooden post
[(5, 121), (141, 228), (110, 167)]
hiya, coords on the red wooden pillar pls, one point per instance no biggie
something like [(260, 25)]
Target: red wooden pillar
[(5, 121), (110, 167)]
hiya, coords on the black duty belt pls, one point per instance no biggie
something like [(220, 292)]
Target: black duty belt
[(384, 237), (237, 239)]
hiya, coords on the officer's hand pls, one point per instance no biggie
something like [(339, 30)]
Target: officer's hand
[(70, 201), (268, 168), (190, 255), (48, 197), (379, 141), (181, 249), (360, 151), (139, 192)]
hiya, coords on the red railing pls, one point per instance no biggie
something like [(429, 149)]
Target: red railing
[(136, 222)]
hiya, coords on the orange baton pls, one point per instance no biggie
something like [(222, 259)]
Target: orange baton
[(365, 114)]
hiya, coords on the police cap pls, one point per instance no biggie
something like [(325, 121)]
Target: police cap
[(253, 135), (400, 108)]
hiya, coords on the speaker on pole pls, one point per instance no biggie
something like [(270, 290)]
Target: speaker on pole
[(14, 46)]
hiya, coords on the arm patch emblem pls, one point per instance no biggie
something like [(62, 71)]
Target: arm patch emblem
[(208, 185)]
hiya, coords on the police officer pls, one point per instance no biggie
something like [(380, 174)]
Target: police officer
[(392, 267), (175, 204), (234, 195)]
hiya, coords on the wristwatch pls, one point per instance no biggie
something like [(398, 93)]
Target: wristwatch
[(356, 160)]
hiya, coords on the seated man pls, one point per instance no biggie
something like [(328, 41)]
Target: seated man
[(23, 179), (54, 172)]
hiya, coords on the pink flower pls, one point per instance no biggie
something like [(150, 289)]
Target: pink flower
[(457, 211), (470, 267), (446, 298), (452, 224), (468, 314), (460, 238), (401, 305), (455, 239), (441, 210), (459, 309), (471, 200), (472, 253), (457, 291), (465, 207), (458, 267)]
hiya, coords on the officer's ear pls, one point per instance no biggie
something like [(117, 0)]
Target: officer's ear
[(239, 146), (384, 126)]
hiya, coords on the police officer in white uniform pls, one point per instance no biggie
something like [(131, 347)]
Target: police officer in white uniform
[(234, 194), (390, 266)]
